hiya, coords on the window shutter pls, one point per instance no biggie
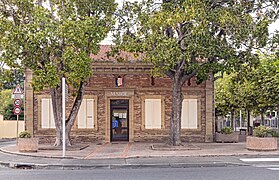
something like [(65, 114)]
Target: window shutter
[(152, 113), (189, 114), (45, 113), (85, 117), (51, 115), (193, 114), (47, 116), (82, 115), (184, 113), (90, 113)]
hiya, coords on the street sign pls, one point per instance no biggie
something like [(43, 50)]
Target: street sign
[(17, 110), (17, 96), (17, 90), (17, 102)]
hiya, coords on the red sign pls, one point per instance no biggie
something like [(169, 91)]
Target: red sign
[(17, 110), (17, 102)]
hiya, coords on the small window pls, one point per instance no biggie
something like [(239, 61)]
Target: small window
[(189, 115), (153, 114)]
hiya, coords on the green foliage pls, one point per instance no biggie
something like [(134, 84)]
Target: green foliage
[(226, 130), (24, 134), (9, 112), (183, 39), (192, 36), (255, 88), (261, 131), (55, 41), (226, 94), (5, 99), (274, 133)]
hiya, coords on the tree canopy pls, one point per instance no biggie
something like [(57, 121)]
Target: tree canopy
[(54, 39), (190, 38), (255, 90)]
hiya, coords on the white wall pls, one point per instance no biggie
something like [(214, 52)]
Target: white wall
[(8, 127)]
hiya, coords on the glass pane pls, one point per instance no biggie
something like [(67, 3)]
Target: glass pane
[(119, 124)]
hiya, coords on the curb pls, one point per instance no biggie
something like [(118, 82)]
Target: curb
[(40, 156), (114, 166)]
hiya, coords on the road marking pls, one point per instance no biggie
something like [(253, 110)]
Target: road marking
[(267, 166), (260, 159), (273, 169)]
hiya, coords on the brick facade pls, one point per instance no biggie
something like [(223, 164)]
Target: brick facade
[(137, 84)]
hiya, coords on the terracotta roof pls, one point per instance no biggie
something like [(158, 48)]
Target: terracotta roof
[(105, 49)]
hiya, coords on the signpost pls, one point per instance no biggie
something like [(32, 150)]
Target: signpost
[(17, 103), (63, 116)]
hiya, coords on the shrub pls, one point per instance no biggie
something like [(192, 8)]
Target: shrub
[(274, 133), (25, 134), (261, 131), (226, 130)]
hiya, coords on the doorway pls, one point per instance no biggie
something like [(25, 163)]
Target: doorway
[(119, 120)]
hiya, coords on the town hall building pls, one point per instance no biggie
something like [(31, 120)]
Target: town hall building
[(124, 102)]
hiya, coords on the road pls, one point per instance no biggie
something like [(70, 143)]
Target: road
[(208, 173)]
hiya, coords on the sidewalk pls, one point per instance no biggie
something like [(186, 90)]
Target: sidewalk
[(120, 155)]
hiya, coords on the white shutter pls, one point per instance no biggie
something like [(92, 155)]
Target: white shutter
[(45, 113), (184, 113), (189, 116), (152, 113), (82, 115), (51, 115), (193, 114), (148, 114), (47, 116), (86, 114), (90, 113), (157, 113)]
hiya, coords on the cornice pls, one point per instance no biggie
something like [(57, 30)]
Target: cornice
[(121, 68)]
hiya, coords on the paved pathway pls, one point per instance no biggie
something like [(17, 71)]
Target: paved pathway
[(129, 150), (112, 155)]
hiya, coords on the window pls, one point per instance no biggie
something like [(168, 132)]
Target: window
[(189, 115), (86, 117), (47, 114), (152, 114)]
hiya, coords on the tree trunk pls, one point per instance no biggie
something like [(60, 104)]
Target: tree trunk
[(56, 96), (232, 119), (262, 118), (175, 125), (248, 124)]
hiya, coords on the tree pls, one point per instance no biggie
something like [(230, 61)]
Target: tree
[(226, 99), (263, 83), (54, 39), (189, 38), (255, 89)]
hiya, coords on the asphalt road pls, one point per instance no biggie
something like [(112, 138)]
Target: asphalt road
[(6, 142), (208, 173)]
